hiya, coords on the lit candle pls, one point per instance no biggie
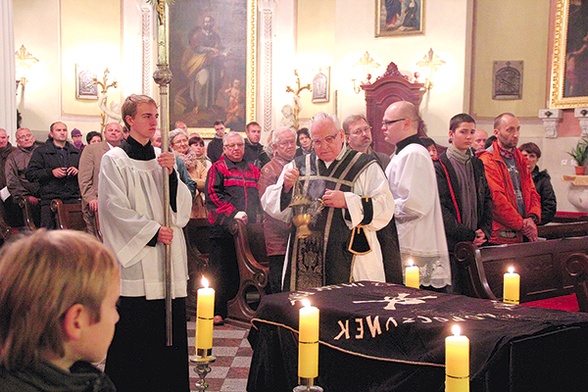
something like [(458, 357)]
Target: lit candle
[(457, 362), (512, 283), (412, 275), (308, 347), (204, 319)]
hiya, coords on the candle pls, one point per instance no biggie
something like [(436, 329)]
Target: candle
[(412, 275), (204, 319), (512, 283), (457, 362), (308, 347)]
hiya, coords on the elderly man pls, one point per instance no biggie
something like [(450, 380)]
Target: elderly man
[(358, 134), (16, 182), (55, 167), (231, 193), (90, 170), (254, 152), (516, 204), (343, 246), (131, 205), (276, 231), (480, 138), (418, 213)]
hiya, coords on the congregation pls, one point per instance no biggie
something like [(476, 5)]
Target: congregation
[(371, 214)]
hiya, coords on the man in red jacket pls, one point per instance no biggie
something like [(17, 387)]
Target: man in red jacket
[(516, 204)]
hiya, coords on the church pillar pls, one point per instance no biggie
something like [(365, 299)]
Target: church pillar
[(266, 34), (7, 70)]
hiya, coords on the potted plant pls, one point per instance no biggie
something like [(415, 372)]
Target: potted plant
[(580, 155)]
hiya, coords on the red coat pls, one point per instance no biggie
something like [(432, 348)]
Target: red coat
[(507, 222)]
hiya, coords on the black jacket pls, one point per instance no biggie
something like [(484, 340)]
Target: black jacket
[(545, 190), (455, 231), (44, 160)]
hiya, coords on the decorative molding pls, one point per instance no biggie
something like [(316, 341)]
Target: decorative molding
[(582, 115), (266, 8), (147, 39), (551, 119)]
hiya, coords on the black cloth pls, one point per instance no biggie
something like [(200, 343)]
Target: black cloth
[(224, 272), (543, 185), (392, 327), (138, 358), (82, 377), (43, 161), (214, 150), (255, 154)]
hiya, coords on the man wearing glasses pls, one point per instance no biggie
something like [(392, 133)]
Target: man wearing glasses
[(231, 193), (356, 200), (413, 183), (16, 182), (358, 134)]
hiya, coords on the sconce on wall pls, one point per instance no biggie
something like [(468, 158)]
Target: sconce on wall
[(429, 65), (364, 67), (24, 61)]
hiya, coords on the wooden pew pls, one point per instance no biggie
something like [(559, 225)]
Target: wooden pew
[(542, 266), (577, 267), (68, 215), (253, 269)]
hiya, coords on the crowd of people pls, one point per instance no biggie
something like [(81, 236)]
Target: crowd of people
[(372, 215)]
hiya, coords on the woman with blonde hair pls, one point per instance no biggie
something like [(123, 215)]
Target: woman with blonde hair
[(58, 295)]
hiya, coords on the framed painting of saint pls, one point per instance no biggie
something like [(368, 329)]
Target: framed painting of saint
[(399, 17), (212, 59), (569, 73)]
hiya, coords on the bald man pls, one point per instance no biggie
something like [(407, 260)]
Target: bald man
[(412, 180)]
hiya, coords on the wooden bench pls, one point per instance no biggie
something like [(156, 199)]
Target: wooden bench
[(68, 215), (543, 267), (253, 269), (577, 267)]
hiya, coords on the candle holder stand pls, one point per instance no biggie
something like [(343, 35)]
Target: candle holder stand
[(307, 385), (202, 369)]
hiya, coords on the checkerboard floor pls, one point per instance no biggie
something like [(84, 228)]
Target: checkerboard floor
[(233, 358)]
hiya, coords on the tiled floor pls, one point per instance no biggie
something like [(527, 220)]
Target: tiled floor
[(233, 358)]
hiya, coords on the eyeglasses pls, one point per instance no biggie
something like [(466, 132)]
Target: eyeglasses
[(386, 123), (25, 136), (359, 131), (233, 145), (328, 139)]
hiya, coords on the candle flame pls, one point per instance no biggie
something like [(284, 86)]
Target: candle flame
[(456, 330), (511, 269), (305, 302), (204, 282), (410, 263)]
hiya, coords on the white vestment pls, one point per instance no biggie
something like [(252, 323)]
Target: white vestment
[(418, 215), (130, 200), (371, 182)]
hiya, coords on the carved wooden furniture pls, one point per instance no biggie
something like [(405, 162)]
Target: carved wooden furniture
[(577, 267), (27, 214), (5, 229), (542, 266), (68, 215), (387, 89), (253, 269)]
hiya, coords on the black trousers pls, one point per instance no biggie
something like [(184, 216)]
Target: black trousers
[(225, 272), (138, 358)]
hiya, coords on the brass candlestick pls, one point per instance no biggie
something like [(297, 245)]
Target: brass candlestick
[(307, 385), (202, 369)]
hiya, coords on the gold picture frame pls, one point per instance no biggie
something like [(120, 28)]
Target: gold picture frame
[(234, 95), (399, 17), (321, 84), (570, 51), (86, 88)]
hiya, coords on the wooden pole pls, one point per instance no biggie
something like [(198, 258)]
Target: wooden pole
[(162, 77)]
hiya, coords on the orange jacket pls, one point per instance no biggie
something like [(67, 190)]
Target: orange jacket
[(507, 222)]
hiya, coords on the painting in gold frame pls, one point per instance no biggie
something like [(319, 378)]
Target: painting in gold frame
[(569, 74), (399, 17), (213, 60)]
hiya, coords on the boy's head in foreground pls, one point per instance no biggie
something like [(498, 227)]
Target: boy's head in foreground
[(58, 294)]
